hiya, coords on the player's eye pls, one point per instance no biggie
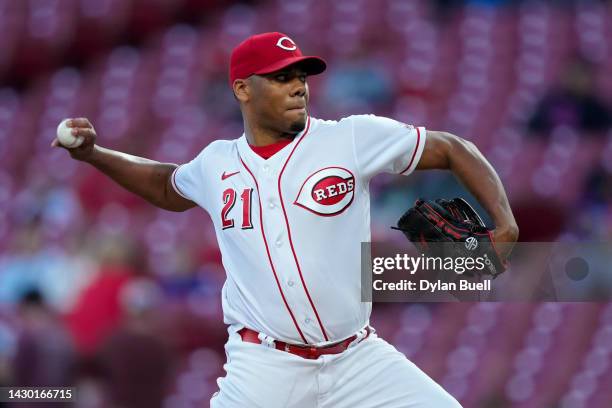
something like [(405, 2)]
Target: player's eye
[(281, 77)]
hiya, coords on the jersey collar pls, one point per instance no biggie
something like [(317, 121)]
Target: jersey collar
[(246, 150), (268, 151)]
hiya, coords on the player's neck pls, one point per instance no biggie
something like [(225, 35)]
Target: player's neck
[(259, 136)]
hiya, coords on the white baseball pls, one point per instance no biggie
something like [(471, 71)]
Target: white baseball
[(65, 136)]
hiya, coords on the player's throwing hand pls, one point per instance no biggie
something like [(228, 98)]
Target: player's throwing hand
[(81, 127)]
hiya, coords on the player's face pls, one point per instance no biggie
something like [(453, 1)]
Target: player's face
[(279, 100)]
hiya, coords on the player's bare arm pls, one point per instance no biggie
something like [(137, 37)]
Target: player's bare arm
[(446, 151), (149, 179)]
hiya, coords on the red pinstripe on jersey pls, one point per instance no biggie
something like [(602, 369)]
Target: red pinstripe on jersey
[(263, 234), (416, 149), (289, 230)]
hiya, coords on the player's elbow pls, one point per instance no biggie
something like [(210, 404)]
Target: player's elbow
[(515, 232), (181, 207), (171, 201), (512, 232), (168, 207), (173, 205), (460, 144), (461, 150)]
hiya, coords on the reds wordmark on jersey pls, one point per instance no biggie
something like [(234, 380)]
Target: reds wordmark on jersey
[(290, 227)]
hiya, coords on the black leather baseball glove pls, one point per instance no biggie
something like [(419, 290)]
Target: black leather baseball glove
[(451, 228)]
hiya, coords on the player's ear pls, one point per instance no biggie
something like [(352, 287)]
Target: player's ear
[(241, 90)]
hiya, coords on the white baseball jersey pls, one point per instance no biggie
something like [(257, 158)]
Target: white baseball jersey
[(290, 227)]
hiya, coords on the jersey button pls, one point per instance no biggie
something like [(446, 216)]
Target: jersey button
[(278, 243), (290, 283), (307, 320), (266, 168), (271, 205)]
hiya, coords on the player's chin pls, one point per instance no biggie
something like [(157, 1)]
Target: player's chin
[(297, 119)]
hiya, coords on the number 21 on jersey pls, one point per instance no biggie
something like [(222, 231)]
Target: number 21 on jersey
[(229, 200)]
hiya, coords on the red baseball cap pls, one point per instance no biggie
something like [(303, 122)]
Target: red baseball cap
[(269, 52)]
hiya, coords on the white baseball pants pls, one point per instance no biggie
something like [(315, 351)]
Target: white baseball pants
[(369, 374)]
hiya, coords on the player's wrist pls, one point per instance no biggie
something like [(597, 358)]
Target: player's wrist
[(90, 156), (506, 232)]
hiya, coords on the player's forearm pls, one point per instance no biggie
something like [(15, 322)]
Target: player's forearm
[(474, 171), (144, 177)]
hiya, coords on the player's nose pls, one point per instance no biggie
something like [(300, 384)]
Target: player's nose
[(298, 88)]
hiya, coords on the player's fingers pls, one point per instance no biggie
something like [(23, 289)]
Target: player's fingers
[(85, 132), (79, 123)]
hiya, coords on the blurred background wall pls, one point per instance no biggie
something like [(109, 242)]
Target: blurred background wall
[(100, 290)]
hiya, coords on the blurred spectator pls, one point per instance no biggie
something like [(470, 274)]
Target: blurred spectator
[(574, 104), (34, 263), (8, 344), (45, 355), (592, 218), (359, 84), (184, 279), (598, 189), (97, 311), (136, 360)]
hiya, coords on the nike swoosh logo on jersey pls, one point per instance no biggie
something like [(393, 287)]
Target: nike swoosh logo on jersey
[(225, 176)]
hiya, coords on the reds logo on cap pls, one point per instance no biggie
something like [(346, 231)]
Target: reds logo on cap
[(289, 47), (327, 192)]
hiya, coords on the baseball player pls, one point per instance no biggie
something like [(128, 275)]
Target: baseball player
[(290, 204)]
